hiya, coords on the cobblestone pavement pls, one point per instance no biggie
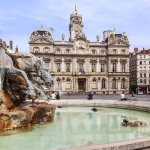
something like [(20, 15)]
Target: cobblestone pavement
[(106, 97)]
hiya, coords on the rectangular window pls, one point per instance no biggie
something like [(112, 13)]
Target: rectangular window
[(141, 75), (140, 62), (114, 84), (114, 67), (145, 75), (67, 67), (58, 67), (102, 67), (123, 67), (81, 69), (93, 67)]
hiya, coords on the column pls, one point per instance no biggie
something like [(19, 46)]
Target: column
[(53, 65), (63, 65), (76, 85), (63, 85), (97, 66), (74, 65), (119, 83), (119, 69), (87, 63), (99, 85)]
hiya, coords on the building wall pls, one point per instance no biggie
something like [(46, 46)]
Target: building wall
[(78, 51), (140, 70)]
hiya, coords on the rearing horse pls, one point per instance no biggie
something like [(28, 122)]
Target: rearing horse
[(14, 81), (36, 70)]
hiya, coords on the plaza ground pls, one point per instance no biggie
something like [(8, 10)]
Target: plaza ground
[(79, 96)]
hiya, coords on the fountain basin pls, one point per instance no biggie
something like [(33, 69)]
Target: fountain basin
[(79, 126)]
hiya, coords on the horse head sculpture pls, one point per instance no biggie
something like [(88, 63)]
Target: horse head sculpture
[(36, 71), (14, 82), (42, 70)]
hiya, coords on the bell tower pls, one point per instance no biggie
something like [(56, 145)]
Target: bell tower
[(76, 25)]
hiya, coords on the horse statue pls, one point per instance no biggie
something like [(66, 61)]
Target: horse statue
[(36, 71), (13, 82)]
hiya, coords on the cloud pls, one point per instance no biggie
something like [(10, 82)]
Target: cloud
[(19, 18)]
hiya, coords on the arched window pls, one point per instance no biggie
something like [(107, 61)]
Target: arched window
[(103, 83), (36, 50), (94, 79), (102, 52), (123, 83), (68, 79), (46, 49), (114, 83), (141, 81), (67, 51), (93, 52), (58, 51), (114, 51), (58, 79)]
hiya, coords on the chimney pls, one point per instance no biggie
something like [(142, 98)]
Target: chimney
[(136, 50), (11, 45), (4, 45), (16, 50), (143, 49)]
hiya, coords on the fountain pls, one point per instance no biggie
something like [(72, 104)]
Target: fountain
[(17, 85)]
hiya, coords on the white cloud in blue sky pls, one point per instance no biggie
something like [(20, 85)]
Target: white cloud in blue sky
[(18, 18)]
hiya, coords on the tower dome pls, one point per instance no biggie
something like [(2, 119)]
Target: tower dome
[(75, 14)]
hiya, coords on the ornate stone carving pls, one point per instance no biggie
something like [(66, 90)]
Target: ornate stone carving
[(41, 36), (63, 37), (81, 35), (118, 39), (81, 60), (68, 60), (98, 38), (114, 60), (81, 45)]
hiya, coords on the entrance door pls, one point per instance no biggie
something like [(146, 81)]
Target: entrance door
[(82, 84)]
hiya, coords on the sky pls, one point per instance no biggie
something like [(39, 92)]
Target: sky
[(19, 18)]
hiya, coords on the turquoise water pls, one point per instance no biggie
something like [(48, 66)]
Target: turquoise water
[(76, 127)]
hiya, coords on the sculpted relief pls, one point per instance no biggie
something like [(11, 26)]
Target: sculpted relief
[(81, 45)]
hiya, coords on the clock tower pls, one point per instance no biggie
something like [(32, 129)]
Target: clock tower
[(76, 25)]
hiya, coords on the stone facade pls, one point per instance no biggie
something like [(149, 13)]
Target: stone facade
[(140, 71), (78, 64)]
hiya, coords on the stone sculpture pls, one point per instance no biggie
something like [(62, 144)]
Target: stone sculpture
[(133, 123), (16, 87)]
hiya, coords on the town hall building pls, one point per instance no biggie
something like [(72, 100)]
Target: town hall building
[(80, 65)]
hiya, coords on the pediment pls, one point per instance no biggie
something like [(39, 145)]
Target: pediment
[(41, 39)]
